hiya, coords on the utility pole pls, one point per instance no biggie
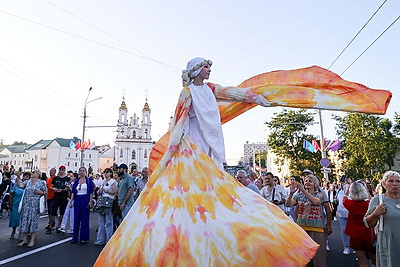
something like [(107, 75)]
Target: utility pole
[(323, 150), (84, 122)]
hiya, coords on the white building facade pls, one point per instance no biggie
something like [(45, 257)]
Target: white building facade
[(133, 142), (47, 154)]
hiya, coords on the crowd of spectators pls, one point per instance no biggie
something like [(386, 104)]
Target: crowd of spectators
[(68, 199), (360, 209), (367, 218)]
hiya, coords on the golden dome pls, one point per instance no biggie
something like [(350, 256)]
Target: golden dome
[(123, 105)]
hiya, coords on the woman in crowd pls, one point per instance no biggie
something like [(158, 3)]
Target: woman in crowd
[(259, 183), (361, 237), (108, 190), (15, 199), (82, 196), (342, 216), (291, 210), (29, 222), (310, 214), (386, 207), (69, 211)]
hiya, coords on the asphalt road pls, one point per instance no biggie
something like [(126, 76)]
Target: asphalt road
[(56, 249)]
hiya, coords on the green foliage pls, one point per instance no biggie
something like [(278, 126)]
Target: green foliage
[(19, 143), (288, 132), (396, 126), (369, 145)]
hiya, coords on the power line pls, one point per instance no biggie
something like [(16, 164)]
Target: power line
[(109, 35), (48, 89), (372, 43), (356, 35), (89, 40)]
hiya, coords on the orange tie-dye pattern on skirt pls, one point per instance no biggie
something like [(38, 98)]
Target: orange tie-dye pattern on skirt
[(193, 214)]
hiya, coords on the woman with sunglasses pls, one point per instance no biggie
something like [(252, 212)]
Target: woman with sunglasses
[(108, 190), (82, 195)]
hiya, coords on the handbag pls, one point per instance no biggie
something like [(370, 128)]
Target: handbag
[(22, 198), (103, 204), (41, 204)]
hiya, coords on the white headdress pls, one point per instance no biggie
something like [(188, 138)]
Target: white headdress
[(193, 69)]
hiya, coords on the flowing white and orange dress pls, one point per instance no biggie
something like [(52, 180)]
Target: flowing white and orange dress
[(192, 213)]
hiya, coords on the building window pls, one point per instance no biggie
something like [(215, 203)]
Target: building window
[(68, 164), (69, 154), (90, 156), (76, 164), (121, 153), (133, 154), (35, 157), (145, 153), (146, 134), (134, 134), (76, 155)]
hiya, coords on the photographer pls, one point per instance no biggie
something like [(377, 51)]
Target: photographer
[(274, 193)]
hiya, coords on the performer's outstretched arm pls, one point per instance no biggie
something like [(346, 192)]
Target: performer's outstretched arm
[(235, 94)]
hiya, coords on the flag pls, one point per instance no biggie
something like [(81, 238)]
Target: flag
[(335, 145), (72, 145), (78, 145), (91, 145), (307, 145), (328, 143), (315, 144), (84, 145), (323, 143)]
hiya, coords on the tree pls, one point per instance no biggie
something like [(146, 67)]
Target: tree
[(396, 126), (19, 143), (288, 132), (369, 145)]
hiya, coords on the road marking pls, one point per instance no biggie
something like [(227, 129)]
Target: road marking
[(34, 251)]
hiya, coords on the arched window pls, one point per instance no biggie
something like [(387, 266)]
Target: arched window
[(69, 154), (133, 154), (121, 153), (134, 134), (145, 153)]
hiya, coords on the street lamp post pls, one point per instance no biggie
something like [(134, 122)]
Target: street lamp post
[(84, 121), (322, 143)]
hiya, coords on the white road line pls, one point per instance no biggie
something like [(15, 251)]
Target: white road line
[(34, 251)]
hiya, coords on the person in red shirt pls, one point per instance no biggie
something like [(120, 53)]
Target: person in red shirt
[(50, 196), (356, 201)]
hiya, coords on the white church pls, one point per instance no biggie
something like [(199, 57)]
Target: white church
[(133, 142)]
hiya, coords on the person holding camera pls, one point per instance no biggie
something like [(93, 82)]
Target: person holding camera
[(274, 193), (310, 216)]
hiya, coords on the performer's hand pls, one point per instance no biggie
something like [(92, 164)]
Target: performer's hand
[(262, 101)]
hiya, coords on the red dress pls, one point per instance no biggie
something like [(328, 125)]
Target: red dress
[(361, 237)]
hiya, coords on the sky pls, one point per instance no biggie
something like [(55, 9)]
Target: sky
[(52, 52)]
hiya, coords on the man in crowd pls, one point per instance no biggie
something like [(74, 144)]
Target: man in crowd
[(274, 193), (50, 197), (127, 187), (242, 178), (60, 187), (143, 180)]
